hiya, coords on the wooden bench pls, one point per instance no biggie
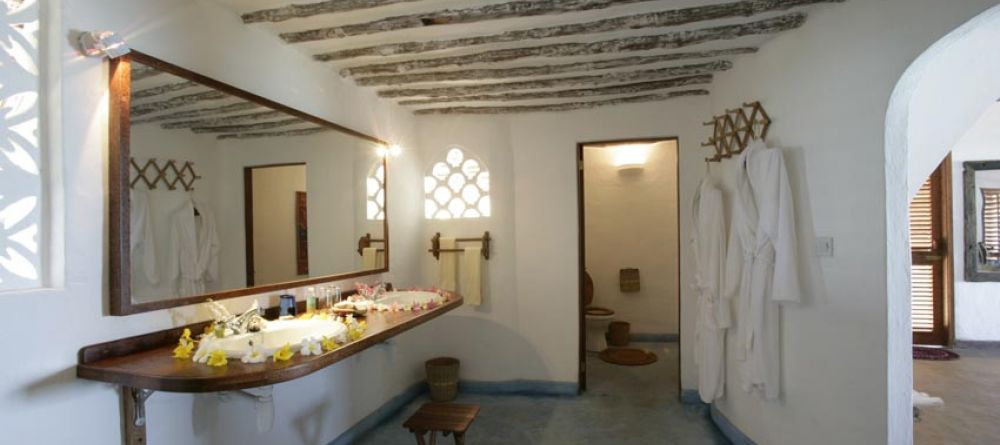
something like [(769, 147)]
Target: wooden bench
[(449, 418)]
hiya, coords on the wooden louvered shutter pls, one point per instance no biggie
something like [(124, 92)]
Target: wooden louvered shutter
[(929, 229), (991, 223)]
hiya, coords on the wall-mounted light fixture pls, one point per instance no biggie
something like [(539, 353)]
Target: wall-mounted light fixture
[(392, 150), (631, 156), (103, 43)]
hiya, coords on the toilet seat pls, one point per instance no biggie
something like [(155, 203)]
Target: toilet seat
[(597, 312)]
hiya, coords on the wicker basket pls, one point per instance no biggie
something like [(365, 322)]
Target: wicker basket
[(442, 378), (628, 280), (618, 333)]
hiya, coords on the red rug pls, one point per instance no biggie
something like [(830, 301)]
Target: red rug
[(925, 353)]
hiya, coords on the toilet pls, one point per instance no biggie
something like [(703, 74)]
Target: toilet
[(597, 318)]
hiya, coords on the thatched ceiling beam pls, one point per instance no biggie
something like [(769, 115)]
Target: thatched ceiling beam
[(201, 112), (248, 127), (177, 102), (299, 11), (163, 89), (696, 73), (225, 120), (543, 70), (498, 11), (660, 19), (563, 106), (271, 134), (672, 40), (629, 88), (140, 72)]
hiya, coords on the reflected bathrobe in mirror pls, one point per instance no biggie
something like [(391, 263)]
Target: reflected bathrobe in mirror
[(761, 268), (194, 248), (708, 240)]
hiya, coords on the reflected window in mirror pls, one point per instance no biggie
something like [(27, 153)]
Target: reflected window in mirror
[(456, 187), (982, 220), (375, 199), (223, 193), (991, 224)]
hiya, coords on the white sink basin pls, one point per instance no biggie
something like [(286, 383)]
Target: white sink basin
[(410, 298), (276, 335)]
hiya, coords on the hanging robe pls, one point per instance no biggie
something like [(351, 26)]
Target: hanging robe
[(194, 252), (141, 241), (762, 267), (709, 243)]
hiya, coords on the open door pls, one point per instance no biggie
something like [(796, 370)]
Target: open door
[(931, 277)]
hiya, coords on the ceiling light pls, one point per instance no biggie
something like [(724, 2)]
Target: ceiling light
[(629, 157), (103, 43), (393, 150)]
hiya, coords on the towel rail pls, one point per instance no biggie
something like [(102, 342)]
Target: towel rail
[(366, 241), (436, 245)]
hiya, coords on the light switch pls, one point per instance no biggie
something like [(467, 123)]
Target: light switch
[(824, 246)]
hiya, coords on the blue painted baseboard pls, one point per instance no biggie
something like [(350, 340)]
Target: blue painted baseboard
[(510, 387), (381, 415), (691, 397), (735, 436), (640, 337), (519, 387)]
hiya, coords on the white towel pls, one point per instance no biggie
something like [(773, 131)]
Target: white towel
[(369, 258), (472, 272), (447, 263), (143, 245)]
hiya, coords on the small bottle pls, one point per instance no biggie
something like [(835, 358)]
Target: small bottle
[(310, 300), (327, 297), (287, 304), (336, 294)]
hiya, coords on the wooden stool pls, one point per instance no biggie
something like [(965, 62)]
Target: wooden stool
[(449, 418)]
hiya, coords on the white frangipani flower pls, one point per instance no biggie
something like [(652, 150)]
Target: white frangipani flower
[(311, 346)]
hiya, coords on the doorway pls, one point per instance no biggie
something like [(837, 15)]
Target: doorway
[(628, 204), (931, 272), (276, 218)]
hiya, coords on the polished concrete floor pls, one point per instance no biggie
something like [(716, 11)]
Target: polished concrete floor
[(970, 387), (623, 405)]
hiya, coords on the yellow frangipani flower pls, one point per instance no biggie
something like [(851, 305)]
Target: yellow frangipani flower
[(329, 344), (355, 334), (186, 335), (284, 353), (183, 350), (217, 358)]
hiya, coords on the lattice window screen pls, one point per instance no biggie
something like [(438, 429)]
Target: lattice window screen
[(457, 187), (991, 223)]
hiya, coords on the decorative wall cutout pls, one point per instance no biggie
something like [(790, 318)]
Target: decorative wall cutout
[(458, 187), (20, 153), (734, 131), (375, 197), (153, 174)]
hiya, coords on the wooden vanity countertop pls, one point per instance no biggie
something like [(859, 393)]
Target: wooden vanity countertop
[(147, 361)]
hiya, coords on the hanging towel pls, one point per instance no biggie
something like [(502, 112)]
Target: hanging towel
[(369, 258), (194, 253), (447, 262), (472, 272), (142, 244)]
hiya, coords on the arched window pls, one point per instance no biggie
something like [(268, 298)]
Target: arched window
[(457, 187), (375, 196)]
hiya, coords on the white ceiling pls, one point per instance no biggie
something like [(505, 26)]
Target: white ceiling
[(497, 26)]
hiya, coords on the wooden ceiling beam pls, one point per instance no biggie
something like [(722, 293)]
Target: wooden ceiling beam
[(271, 134), (694, 73), (299, 11), (163, 89), (671, 40), (248, 127), (568, 106), (498, 11), (660, 19), (140, 72), (225, 120), (543, 70), (201, 112), (629, 88), (177, 102)]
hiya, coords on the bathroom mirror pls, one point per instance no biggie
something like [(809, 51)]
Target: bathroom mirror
[(982, 221), (217, 193)]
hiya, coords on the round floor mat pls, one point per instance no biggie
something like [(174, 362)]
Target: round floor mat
[(628, 356), (925, 353)]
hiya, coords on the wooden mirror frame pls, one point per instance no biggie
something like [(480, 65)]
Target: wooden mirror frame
[(973, 270), (119, 153)]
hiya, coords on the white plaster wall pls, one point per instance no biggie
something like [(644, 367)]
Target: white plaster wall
[(631, 221), (534, 280), (827, 86), (977, 305), (39, 388)]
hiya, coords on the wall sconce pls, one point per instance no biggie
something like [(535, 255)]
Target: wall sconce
[(393, 150), (103, 43), (631, 157)]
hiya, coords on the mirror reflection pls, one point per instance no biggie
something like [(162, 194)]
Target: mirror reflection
[(227, 193), (987, 194)]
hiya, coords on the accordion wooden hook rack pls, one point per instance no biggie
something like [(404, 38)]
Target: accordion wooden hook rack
[(733, 131), (169, 173)]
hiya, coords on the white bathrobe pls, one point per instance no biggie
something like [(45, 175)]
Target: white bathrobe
[(194, 249), (709, 242), (762, 268), (142, 243)]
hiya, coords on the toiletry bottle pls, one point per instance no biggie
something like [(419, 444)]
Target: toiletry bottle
[(310, 300), (287, 304), (336, 294)]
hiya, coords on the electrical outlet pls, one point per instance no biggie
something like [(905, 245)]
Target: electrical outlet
[(824, 246)]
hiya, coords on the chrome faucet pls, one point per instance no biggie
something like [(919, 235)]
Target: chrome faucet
[(250, 321)]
